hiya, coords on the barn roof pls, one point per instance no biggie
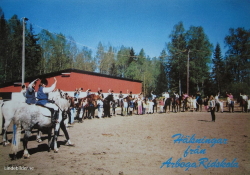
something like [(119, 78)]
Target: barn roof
[(52, 74)]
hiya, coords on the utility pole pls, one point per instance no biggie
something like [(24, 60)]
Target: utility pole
[(188, 72), (23, 51)]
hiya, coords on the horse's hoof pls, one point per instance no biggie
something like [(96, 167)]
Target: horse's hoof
[(56, 150), (6, 143)]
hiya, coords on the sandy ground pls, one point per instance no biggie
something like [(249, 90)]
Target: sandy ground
[(140, 144)]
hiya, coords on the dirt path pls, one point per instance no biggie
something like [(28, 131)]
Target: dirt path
[(140, 144)]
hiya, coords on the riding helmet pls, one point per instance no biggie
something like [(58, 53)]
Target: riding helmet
[(44, 81)]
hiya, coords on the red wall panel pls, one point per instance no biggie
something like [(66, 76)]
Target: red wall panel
[(86, 81)]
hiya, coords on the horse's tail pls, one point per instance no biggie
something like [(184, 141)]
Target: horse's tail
[(1, 116), (16, 137)]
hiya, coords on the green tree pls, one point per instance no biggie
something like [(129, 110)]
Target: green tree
[(14, 56), (107, 64), (135, 68), (73, 51), (122, 61), (100, 54), (218, 69), (83, 60), (161, 80), (46, 44), (177, 61), (32, 54), (4, 34), (237, 60), (238, 43), (199, 53)]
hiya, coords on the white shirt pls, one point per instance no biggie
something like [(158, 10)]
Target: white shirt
[(244, 97), (166, 95), (49, 89)]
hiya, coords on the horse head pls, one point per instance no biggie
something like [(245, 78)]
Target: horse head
[(54, 95), (109, 98)]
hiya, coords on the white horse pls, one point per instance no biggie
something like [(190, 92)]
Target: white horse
[(30, 115)]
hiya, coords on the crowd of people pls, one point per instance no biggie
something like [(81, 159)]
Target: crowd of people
[(128, 103)]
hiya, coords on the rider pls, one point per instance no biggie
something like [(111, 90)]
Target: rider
[(88, 92), (166, 96), (244, 96), (42, 96), (185, 95), (31, 93), (230, 95), (99, 92)]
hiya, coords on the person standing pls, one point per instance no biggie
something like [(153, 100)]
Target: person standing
[(131, 106), (120, 98), (139, 103), (91, 110), (199, 101), (125, 107), (212, 107), (205, 102), (113, 106), (150, 106), (161, 103), (194, 103), (100, 107), (217, 102)]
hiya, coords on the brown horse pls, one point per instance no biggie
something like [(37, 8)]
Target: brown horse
[(86, 106), (186, 103), (243, 104), (176, 104), (128, 99)]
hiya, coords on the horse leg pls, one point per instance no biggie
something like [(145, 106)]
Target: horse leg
[(5, 138), (109, 112), (80, 115), (56, 131), (38, 136), (49, 139), (25, 144)]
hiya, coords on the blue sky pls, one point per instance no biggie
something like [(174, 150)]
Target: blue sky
[(139, 24)]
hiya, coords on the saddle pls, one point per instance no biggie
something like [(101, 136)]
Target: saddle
[(44, 110)]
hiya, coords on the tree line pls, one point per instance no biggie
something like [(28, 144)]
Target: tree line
[(188, 54)]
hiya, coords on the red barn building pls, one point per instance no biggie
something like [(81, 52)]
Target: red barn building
[(70, 79)]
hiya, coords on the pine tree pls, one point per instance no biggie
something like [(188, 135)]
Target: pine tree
[(218, 68)]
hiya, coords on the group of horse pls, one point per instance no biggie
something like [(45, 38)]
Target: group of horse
[(174, 104), (27, 117), (180, 104), (244, 104), (85, 107)]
